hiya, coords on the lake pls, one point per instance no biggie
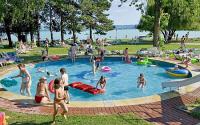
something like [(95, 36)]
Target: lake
[(113, 34)]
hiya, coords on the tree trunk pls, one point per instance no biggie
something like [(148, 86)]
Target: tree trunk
[(19, 36), (170, 36), (38, 31), (156, 33), (74, 35), (51, 31), (91, 33), (61, 28), (32, 37), (9, 38)]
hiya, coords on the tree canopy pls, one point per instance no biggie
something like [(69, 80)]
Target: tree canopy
[(24, 17)]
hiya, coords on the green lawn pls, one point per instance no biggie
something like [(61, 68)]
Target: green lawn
[(119, 119), (35, 54)]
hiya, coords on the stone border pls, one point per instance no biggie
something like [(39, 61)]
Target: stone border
[(110, 103)]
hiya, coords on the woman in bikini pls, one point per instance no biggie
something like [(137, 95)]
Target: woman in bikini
[(26, 79), (42, 94)]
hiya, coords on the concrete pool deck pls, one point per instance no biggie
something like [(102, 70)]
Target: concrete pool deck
[(160, 109)]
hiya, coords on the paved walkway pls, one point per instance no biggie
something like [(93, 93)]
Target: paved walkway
[(164, 112)]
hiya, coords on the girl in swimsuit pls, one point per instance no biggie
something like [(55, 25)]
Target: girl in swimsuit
[(42, 94), (101, 82), (141, 81), (59, 99), (26, 79)]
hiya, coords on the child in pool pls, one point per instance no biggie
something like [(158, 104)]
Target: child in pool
[(101, 82), (49, 74), (141, 81), (176, 67)]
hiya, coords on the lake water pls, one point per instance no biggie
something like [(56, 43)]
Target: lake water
[(113, 34)]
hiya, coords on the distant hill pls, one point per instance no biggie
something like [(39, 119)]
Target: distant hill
[(125, 26)]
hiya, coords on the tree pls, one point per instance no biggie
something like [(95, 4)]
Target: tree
[(94, 16), (19, 16), (73, 20), (175, 15), (157, 10)]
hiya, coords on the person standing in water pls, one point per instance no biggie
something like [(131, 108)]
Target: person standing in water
[(141, 81), (64, 82), (26, 79)]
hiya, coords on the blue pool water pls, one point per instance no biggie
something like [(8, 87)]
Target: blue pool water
[(121, 80)]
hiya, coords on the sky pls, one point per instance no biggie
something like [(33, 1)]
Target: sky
[(124, 15)]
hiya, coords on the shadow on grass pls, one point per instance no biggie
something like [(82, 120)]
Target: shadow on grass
[(30, 123), (27, 103)]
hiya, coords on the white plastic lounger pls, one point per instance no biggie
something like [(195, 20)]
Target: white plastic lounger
[(181, 83)]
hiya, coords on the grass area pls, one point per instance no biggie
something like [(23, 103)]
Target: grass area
[(35, 54), (192, 109), (134, 48), (119, 119)]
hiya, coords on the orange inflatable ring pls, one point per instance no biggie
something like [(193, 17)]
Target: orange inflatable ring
[(55, 57), (51, 86)]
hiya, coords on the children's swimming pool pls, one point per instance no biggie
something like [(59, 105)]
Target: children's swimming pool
[(121, 80)]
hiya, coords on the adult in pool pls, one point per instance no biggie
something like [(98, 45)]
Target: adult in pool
[(26, 79)]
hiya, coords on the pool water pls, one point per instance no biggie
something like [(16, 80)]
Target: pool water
[(121, 80)]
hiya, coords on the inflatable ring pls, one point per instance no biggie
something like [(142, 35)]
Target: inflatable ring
[(55, 57), (178, 72), (8, 82), (105, 69), (143, 62), (193, 60), (51, 86)]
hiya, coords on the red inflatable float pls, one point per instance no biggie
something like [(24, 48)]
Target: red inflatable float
[(87, 88), (2, 118), (55, 57), (51, 86)]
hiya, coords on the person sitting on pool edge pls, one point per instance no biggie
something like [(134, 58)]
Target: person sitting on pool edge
[(141, 81), (42, 94), (102, 83)]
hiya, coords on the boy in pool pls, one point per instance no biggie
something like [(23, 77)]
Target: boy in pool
[(64, 82), (141, 81)]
